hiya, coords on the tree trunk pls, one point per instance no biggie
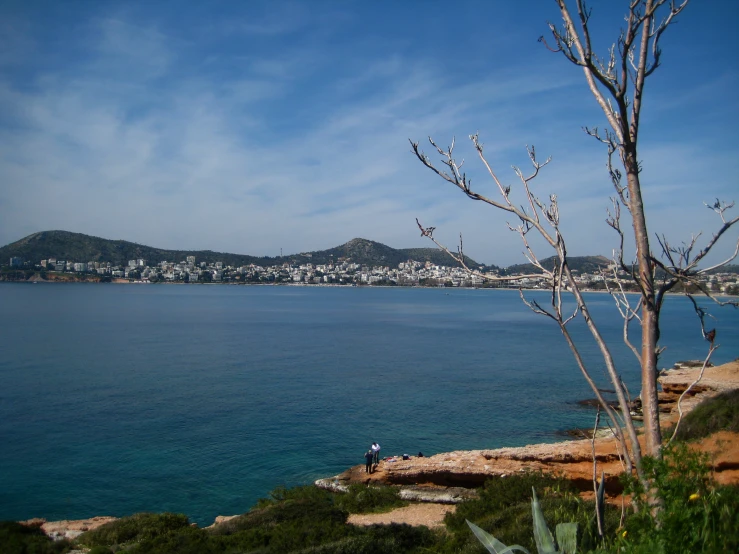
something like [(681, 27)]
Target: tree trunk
[(649, 322)]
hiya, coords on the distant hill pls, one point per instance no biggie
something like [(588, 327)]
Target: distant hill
[(363, 251), (733, 268), (589, 264), (581, 264), (78, 247)]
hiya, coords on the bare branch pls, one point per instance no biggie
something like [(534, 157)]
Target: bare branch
[(595, 474), (581, 55), (702, 254), (459, 258), (656, 33), (535, 307), (711, 350), (721, 264), (624, 308)]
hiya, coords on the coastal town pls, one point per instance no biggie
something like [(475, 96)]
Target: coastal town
[(341, 272)]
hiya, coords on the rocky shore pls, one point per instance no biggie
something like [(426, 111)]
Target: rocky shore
[(451, 477), (68, 528), (443, 477)]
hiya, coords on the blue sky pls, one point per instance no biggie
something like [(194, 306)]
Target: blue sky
[(251, 127)]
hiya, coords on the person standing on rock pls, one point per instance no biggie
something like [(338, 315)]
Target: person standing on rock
[(376, 452), (368, 457)]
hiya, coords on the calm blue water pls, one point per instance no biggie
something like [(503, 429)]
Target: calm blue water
[(116, 399)]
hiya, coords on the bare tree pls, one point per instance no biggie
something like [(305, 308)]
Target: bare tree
[(617, 82)]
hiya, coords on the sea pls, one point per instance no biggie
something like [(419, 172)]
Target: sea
[(201, 399)]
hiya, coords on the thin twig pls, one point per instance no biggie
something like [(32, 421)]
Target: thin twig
[(595, 472), (711, 350)]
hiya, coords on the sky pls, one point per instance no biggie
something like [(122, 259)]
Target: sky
[(260, 127)]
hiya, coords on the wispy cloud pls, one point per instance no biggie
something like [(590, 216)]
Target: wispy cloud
[(278, 128)]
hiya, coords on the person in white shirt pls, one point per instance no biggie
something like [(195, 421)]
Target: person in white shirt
[(376, 452)]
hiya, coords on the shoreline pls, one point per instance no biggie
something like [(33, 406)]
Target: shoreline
[(442, 474), (450, 477), (120, 281)]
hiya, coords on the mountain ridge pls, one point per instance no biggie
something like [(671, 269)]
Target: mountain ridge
[(581, 264), (78, 247)]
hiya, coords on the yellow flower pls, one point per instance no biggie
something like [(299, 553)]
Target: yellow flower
[(694, 496), (623, 535)]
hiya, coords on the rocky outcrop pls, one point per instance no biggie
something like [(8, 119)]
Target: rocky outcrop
[(221, 519), (333, 484), (676, 381), (437, 495), (454, 471), (68, 529)]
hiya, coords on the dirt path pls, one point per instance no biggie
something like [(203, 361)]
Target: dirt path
[(430, 515)]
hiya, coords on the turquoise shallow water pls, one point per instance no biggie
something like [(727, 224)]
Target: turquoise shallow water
[(116, 399)]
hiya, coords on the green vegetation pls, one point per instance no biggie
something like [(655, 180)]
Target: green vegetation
[(30, 275), (566, 534), (9, 274), (21, 539), (305, 519), (504, 510), (720, 413), (582, 264), (698, 516), (100, 550), (363, 499), (136, 528)]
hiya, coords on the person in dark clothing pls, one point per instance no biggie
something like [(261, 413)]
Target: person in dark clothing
[(368, 457)]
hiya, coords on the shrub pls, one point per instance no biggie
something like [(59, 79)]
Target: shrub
[(290, 520), (100, 550), (309, 519), (697, 515), (135, 528), (187, 540), (504, 510), (720, 413), (381, 539), (21, 539), (362, 499), (308, 504), (303, 493)]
